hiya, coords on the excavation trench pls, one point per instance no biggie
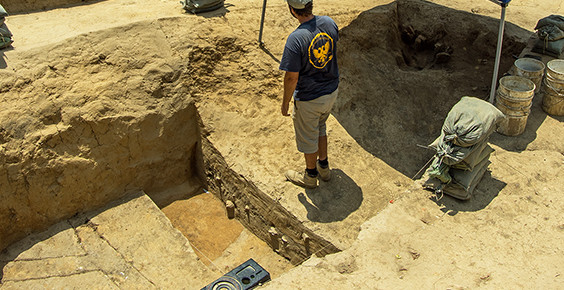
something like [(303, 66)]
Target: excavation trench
[(181, 111)]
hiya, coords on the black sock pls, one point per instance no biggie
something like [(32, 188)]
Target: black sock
[(324, 163), (311, 172)]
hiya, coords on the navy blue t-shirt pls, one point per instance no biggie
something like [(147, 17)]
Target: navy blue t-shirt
[(311, 50)]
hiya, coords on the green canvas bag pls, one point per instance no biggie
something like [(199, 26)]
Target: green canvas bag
[(199, 6), (5, 36)]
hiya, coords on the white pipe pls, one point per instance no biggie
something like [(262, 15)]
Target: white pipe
[(498, 52)]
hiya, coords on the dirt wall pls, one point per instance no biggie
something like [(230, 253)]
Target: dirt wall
[(88, 163), (265, 217), (21, 6), (99, 119)]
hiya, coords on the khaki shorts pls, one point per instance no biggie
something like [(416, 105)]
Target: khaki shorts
[(309, 121)]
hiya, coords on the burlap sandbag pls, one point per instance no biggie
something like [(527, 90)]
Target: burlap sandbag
[(470, 121), (464, 182), (5, 36), (483, 151), (552, 20), (3, 14)]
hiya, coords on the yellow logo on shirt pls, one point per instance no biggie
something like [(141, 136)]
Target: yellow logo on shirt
[(321, 50)]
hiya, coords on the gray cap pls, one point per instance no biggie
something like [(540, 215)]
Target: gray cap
[(298, 4)]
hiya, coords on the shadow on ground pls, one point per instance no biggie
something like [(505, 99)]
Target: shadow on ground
[(334, 200), (15, 250), (486, 191), (3, 58), (519, 143), (220, 12), (534, 121)]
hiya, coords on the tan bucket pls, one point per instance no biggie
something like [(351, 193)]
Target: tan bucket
[(553, 100), (516, 87), (555, 83), (515, 119), (531, 69), (514, 98), (514, 103), (555, 68)]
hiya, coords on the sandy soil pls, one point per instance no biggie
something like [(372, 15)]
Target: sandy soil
[(393, 97), (221, 243)]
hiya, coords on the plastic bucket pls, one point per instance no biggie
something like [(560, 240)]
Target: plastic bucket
[(555, 68), (516, 87), (553, 100), (513, 103), (514, 122), (514, 99), (556, 84), (530, 68)]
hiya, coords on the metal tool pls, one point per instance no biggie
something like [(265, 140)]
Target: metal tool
[(503, 4), (261, 44)]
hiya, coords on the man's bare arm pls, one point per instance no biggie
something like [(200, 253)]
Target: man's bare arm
[(290, 82)]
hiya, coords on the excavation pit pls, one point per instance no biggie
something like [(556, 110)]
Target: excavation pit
[(403, 66)]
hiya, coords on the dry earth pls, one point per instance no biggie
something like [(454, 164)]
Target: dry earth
[(393, 96)]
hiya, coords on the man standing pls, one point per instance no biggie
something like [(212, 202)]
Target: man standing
[(312, 79)]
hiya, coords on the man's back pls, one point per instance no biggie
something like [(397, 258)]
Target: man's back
[(311, 50)]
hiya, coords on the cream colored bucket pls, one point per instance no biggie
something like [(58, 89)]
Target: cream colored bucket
[(555, 68), (553, 100), (529, 68), (553, 87), (514, 98)]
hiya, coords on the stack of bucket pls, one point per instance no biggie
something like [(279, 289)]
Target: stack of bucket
[(515, 94), (514, 99), (529, 68), (553, 87)]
